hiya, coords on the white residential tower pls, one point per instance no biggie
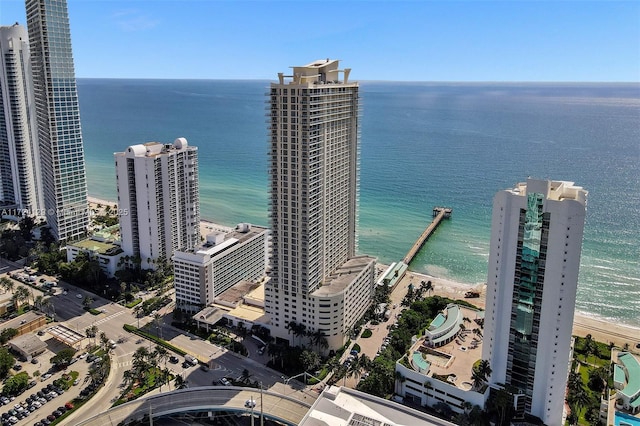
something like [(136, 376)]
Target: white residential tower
[(317, 280), (158, 199), (536, 241), (20, 184)]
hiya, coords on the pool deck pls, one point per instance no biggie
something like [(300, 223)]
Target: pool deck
[(462, 357)]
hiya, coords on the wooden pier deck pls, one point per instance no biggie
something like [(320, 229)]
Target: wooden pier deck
[(439, 213)]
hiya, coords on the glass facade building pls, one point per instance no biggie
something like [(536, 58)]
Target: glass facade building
[(534, 260), (19, 159), (59, 132)]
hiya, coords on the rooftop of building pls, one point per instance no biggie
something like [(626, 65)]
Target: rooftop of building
[(552, 189), (318, 72), (344, 275), (25, 318), (339, 406), (98, 247), (632, 367), (236, 293), (215, 241), (461, 347), (28, 343), (153, 149), (243, 301)]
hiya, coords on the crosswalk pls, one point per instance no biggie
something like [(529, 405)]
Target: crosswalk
[(124, 363), (109, 318)]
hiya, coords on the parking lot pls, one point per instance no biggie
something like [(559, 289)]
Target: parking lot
[(43, 401)]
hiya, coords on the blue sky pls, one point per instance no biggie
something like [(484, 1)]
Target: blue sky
[(380, 40)]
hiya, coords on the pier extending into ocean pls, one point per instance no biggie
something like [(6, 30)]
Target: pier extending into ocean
[(439, 213)]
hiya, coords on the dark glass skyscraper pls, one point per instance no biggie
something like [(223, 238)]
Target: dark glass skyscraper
[(59, 132)]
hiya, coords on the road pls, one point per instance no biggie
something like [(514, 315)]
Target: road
[(69, 311), (273, 405)]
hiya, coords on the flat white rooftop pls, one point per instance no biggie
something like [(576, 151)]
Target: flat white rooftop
[(339, 406)]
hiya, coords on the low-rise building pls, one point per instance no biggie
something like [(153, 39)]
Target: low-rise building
[(107, 252), (27, 345), (339, 406), (439, 365), (626, 379), (25, 323), (228, 257), (104, 246)]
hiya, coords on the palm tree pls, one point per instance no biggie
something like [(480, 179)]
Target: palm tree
[(7, 284), (161, 354), (428, 386), (318, 339), (477, 379), (157, 320), (140, 362), (178, 381), (87, 302), (20, 295), (104, 340), (355, 368), (400, 379), (37, 302), (138, 309), (484, 368), (244, 377)]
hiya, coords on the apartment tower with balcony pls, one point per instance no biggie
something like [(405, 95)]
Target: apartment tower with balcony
[(318, 283), (64, 184), (536, 241), (20, 184), (158, 200)]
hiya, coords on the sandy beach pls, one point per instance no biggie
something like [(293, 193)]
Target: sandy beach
[(601, 330)]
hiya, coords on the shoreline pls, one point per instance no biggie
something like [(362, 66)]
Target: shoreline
[(602, 329)]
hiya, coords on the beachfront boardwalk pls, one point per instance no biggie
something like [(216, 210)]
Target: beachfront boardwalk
[(439, 213)]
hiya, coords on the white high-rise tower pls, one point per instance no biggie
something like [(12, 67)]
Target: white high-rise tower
[(19, 160), (317, 281), (158, 199), (64, 183), (536, 241)]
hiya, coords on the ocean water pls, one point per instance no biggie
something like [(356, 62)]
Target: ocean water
[(423, 145)]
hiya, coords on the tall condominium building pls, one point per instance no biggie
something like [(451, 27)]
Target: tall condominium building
[(317, 279), (227, 257), (19, 159), (64, 181), (536, 240), (158, 199)]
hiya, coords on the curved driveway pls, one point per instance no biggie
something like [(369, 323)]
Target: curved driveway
[(210, 398)]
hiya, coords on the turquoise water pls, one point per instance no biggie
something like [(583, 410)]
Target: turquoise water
[(423, 144), (622, 419)]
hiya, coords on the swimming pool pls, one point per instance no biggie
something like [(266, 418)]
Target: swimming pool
[(622, 419), (421, 363)]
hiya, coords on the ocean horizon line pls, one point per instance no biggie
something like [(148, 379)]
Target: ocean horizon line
[(443, 82)]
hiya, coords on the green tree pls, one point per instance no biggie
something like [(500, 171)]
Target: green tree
[(6, 362), (7, 334), (87, 302), (310, 360), (16, 384), (63, 357), (161, 354), (179, 382), (20, 295), (26, 226), (244, 377), (7, 284)]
